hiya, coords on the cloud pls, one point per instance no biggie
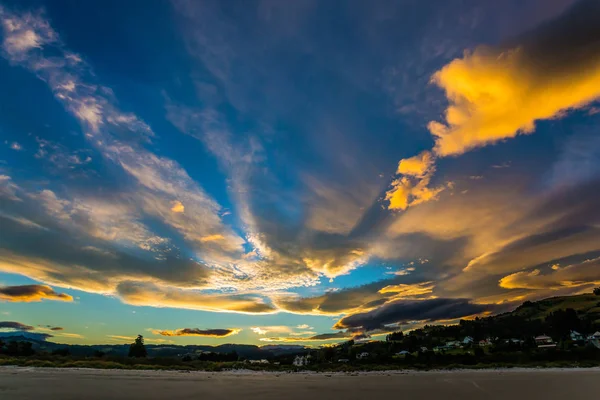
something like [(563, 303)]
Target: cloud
[(16, 146), (408, 290), (177, 206), (584, 274), (15, 325), (57, 328), (496, 93), (411, 310), (141, 294), (263, 330), (417, 166), (29, 293), (412, 187), (322, 337), (199, 332)]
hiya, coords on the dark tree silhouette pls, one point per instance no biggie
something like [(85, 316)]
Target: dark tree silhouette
[(138, 349), (597, 291)]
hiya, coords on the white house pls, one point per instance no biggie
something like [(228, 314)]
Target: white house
[(486, 342), (300, 361), (453, 344), (362, 355), (258, 361), (468, 340), (403, 353), (543, 339)]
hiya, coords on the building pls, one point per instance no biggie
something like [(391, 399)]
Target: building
[(300, 361), (403, 353), (576, 336), (453, 344), (468, 340), (486, 342), (362, 355), (343, 360), (543, 339), (258, 361)]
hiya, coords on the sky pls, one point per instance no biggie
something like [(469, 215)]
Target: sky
[(300, 172)]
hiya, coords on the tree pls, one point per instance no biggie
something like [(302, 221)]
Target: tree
[(138, 349), (64, 352), (597, 291)]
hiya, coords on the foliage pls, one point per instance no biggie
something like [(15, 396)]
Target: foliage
[(138, 349), (597, 291)]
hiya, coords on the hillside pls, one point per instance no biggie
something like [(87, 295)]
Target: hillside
[(586, 306)]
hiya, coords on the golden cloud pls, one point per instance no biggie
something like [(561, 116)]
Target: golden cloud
[(30, 293), (145, 294), (494, 95), (586, 274), (177, 206), (403, 290), (498, 93), (417, 166)]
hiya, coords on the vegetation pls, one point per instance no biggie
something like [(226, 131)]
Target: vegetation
[(137, 349), (505, 340), (597, 291)]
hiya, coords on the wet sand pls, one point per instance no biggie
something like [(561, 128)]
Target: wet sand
[(65, 384)]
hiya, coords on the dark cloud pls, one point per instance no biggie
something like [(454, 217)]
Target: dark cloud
[(56, 328), (567, 44), (27, 293), (411, 310), (199, 332), (15, 325)]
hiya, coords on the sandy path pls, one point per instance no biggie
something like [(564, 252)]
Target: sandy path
[(55, 384)]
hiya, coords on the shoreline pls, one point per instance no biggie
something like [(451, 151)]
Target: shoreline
[(248, 372)]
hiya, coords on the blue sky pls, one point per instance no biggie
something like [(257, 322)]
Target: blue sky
[(278, 171)]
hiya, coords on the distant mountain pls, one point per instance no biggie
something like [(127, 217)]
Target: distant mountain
[(28, 336), (154, 350)]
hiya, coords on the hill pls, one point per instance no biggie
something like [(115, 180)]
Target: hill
[(586, 306)]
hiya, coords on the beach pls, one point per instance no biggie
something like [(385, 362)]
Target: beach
[(514, 384)]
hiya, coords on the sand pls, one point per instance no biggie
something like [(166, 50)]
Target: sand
[(89, 384)]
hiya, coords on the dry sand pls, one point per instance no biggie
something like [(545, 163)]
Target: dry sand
[(65, 384)]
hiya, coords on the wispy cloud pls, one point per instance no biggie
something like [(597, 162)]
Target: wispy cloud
[(219, 333)]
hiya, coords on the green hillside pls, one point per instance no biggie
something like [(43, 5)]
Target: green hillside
[(586, 305)]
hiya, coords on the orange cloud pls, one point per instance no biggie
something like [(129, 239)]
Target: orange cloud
[(211, 238), (177, 206), (30, 293), (586, 273), (494, 96), (407, 290), (417, 166), (499, 93)]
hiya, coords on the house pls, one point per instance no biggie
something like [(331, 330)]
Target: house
[(403, 353), (453, 344), (514, 341), (576, 336), (300, 361), (468, 340), (543, 339), (486, 342), (362, 355), (258, 361), (343, 360), (424, 349)]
